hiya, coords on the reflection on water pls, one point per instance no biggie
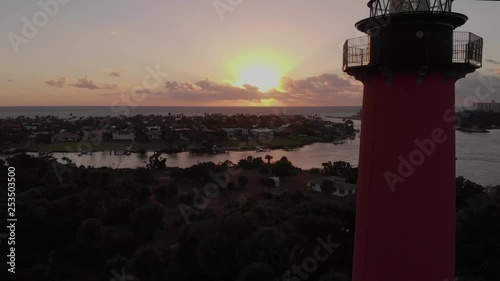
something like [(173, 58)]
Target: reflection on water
[(478, 157), (307, 157)]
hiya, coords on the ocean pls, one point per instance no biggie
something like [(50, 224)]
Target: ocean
[(101, 111)]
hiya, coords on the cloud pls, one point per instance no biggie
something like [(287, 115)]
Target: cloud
[(85, 83), (207, 90), (114, 33), (111, 86), (10, 80), (59, 83), (324, 84), (493, 61), (478, 87), (114, 74), (316, 90)]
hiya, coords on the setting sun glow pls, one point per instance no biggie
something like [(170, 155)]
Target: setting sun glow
[(260, 68), (263, 76)]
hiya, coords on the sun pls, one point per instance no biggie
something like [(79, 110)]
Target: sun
[(260, 67), (261, 75)]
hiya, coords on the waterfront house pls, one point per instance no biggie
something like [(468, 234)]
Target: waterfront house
[(341, 187), (124, 135), (262, 134), (65, 137), (236, 133)]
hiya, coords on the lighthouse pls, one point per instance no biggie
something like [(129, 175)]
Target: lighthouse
[(408, 62)]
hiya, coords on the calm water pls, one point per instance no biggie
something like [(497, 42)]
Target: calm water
[(478, 157)]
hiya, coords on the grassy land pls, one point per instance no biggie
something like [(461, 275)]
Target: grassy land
[(276, 143), (75, 146)]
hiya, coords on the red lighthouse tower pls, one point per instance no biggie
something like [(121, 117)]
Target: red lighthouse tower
[(409, 63)]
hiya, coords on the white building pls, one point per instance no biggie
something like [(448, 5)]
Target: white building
[(262, 134), (235, 133), (487, 106), (124, 135), (341, 187)]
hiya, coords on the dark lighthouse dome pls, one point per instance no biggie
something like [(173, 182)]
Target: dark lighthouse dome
[(385, 7), (412, 35)]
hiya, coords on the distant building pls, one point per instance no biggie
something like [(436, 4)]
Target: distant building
[(341, 187), (95, 136), (30, 128), (262, 134), (124, 135), (65, 137), (487, 106), (235, 133), (154, 133)]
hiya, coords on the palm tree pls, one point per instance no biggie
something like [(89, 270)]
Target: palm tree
[(229, 187), (242, 181), (268, 158)]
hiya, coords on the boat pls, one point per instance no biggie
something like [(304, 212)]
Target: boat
[(261, 149), (338, 142), (122, 152), (84, 152), (470, 130)]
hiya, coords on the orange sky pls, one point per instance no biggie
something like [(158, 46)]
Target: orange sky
[(177, 52)]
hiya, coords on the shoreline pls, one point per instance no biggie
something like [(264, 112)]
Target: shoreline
[(140, 148)]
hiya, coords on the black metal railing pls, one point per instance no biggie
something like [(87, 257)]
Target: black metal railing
[(367, 51), (467, 48), (357, 51), (388, 7)]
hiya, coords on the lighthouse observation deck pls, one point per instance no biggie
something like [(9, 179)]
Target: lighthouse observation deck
[(466, 48), (412, 34)]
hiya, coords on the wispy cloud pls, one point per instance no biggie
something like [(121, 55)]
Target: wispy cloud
[(114, 33), (114, 74), (10, 80), (59, 83), (86, 83), (111, 86), (493, 61)]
